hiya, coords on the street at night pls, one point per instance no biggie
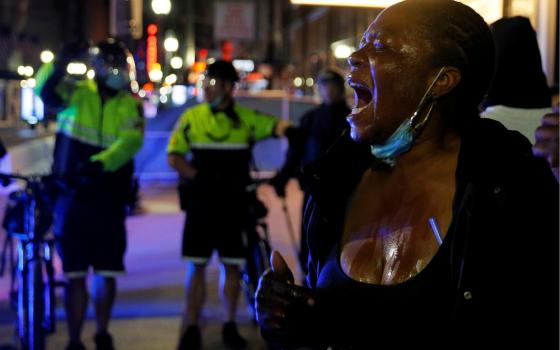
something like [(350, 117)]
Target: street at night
[(150, 301), (406, 153)]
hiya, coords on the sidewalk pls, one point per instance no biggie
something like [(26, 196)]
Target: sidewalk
[(150, 299)]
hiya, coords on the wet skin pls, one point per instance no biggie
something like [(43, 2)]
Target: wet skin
[(387, 238)]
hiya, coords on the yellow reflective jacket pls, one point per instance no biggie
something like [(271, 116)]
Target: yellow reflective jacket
[(90, 130)]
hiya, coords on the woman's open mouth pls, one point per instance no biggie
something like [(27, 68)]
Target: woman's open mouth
[(362, 97)]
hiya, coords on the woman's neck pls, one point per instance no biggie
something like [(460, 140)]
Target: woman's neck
[(430, 146)]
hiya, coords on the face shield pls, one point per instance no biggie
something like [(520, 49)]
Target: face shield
[(113, 65)]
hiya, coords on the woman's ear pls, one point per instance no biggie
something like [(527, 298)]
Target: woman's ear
[(447, 81)]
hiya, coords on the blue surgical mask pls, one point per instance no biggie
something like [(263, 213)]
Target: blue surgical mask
[(117, 79), (216, 101), (402, 139)]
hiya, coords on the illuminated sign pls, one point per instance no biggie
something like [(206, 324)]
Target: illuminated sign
[(151, 47)]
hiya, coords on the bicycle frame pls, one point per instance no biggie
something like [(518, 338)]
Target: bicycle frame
[(34, 272)]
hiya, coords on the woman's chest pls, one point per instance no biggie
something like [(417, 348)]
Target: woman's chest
[(392, 223)]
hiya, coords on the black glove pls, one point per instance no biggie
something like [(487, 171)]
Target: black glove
[(89, 169), (296, 136), (279, 182)]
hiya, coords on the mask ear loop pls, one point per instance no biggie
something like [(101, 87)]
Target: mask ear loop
[(418, 126)]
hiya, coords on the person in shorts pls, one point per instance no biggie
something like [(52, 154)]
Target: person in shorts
[(99, 130), (210, 148)]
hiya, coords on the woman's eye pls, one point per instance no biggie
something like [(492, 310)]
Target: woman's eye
[(378, 45)]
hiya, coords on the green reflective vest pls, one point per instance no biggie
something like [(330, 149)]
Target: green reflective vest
[(115, 127), (199, 128)]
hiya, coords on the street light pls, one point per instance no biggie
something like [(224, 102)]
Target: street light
[(26, 71), (176, 62), (161, 7), (76, 68), (171, 79), (343, 51), (171, 44), (156, 74), (47, 56)]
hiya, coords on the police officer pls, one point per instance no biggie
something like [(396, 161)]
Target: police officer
[(99, 130), (210, 148)]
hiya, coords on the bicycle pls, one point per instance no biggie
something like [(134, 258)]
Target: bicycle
[(28, 218), (258, 246)]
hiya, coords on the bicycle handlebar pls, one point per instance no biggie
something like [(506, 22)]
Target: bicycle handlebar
[(5, 178)]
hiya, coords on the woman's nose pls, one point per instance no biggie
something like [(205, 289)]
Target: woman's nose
[(356, 60)]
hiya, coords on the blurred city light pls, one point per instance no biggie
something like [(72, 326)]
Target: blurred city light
[(47, 56), (353, 3), (244, 65), (152, 29), (142, 93), (32, 108), (171, 44), (150, 107), (179, 95), (176, 62), (156, 74), (76, 68), (343, 51), (161, 7), (29, 71), (151, 46), (134, 86), (90, 74), (171, 79), (298, 81), (163, 98), (309, 82), (26, 71), (31, 82)]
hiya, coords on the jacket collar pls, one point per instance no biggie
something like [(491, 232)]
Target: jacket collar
[(334, 176)]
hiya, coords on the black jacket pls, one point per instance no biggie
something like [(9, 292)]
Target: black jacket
[(319, 129), (504, 254)]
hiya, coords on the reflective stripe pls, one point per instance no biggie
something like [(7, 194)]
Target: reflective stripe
[(107, 273), (84, 133), (233, 261), (130, 123), (79, 138), (196, 259), (71, 128), (228, 146), (75, 274), (108, 140)]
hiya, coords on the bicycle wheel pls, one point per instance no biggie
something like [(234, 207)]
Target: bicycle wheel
[(35, 307), (257, 263)]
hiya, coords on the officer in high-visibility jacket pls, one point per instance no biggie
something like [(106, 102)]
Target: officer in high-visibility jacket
[(99, 130), (210, 148)]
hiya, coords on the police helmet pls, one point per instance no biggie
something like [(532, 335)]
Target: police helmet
[(223, 70), (113, 64)]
